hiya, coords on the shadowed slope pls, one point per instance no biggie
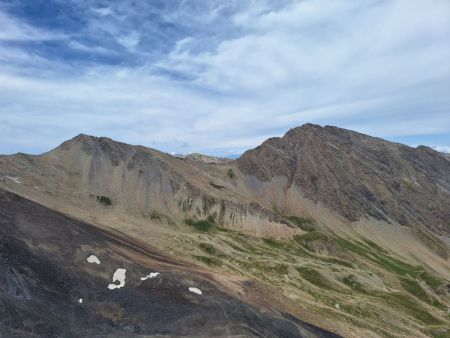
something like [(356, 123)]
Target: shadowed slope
[(49, 289)]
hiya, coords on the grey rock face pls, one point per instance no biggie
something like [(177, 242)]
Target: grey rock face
[(358, 175)]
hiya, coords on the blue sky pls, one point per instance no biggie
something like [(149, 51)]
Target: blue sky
[(220, 77)]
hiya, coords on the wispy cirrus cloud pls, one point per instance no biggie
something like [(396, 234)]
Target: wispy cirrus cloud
[(221, 76), (13, 29)]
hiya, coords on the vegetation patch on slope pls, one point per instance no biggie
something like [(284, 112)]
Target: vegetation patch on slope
[(304, 223), (313, 256), (104, 200), (211, 261), (431, 280), (202, 225), (374, 254), (408, 304), (352, 282), (314, 277), (415, 289), (310, 237)]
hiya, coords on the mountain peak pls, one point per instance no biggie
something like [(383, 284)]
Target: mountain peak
[(357, 175)]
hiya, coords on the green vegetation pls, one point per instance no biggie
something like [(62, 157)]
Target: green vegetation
[(273, 243), (211, 261), (231, 174), (305, 239), (397, 266), (414, 288), (441, 332), (236, 247), (209, 249), (352, 282), (202, 225), (382, 259), (159, 217), (337, 261), (314, 277), (270, 259), (351, 246), (310, 237), (104, 200), (266, 270), (409, 305), (304, 223), (431, 280), (374, 245)]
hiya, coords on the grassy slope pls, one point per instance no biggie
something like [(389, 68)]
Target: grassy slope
[(371, 286)]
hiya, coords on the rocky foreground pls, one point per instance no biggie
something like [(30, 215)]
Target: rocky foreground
[(64, 278)]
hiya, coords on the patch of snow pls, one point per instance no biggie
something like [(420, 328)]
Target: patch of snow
[(36, 188), (195, 290), (93, 259), (151, 275), (14, 179), (337, 306), (80, 300), (119, 276)]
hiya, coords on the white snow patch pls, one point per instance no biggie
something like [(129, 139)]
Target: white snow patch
[(36, 188), (151, 275), (14, 179), (119, 276), (80, 300), (93, 259), (337, 306), (195, 290)]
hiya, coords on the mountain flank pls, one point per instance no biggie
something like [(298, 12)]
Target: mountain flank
[(358, 175), (351, 229)]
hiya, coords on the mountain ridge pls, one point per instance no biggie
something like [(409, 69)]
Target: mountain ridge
[(288, 152), (326, 215)]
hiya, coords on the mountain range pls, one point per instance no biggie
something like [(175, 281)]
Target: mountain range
[(321, 232)]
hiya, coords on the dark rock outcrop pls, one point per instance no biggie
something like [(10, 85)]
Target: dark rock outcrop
[(44, 275)]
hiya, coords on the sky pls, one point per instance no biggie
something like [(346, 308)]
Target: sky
[(220, 77)]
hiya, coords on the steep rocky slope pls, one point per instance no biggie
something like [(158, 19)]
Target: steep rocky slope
[(142, 182), (358, 175)]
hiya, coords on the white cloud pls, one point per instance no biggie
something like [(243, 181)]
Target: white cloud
[(91, 49), (103, 11), (380, 67), (344, 44), (129, 41), (14, 30), (442, 148)]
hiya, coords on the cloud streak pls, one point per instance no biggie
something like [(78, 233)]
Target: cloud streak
[(219, 78)]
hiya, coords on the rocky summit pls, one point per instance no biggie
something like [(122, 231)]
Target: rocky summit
[(359, 176), (323, 232)]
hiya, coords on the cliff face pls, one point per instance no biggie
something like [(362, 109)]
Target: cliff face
[(358, 175)]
